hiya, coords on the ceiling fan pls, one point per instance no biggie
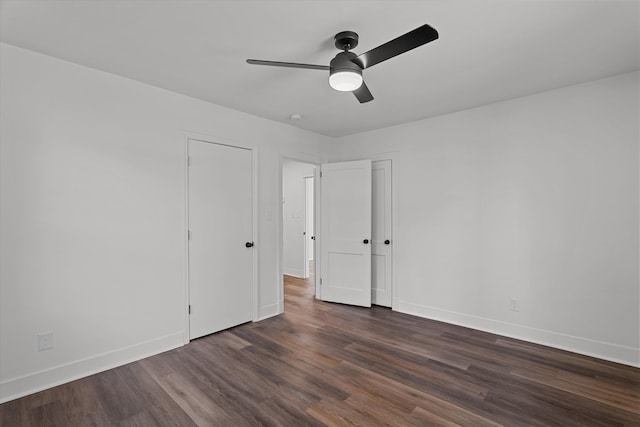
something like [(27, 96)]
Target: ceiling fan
[(345, 69)]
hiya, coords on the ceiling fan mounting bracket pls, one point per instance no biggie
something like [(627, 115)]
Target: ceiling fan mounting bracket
[(346, 40)]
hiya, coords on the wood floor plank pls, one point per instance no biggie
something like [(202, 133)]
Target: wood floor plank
[(622, 399), (82, 403), (14, 413), (299, 381), (544, 405), (424, 375), (233, 340), (199, 406), (379, 409), (158, 405), (331, 364), (49, 414), (407, 398), (341, 414), (570, 362), (422, 417), (117, 398), (301, 347), (284, 409)]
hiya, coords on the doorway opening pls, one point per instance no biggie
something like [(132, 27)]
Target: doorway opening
[(298, 230), (313, 230)]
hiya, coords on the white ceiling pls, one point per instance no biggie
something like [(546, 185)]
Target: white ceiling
[(488, 51)]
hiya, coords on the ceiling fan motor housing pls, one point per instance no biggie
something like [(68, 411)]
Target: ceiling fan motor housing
[(343, 62), (344, 74)]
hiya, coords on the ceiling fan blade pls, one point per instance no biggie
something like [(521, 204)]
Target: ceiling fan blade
[(288, 64), (404, 43), (363, 94)]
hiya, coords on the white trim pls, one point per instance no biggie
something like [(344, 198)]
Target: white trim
[(280, 241), (296, 272), (15, 388), (307, 234), (305, 261), (187, 136), (268, 311), (218, 140), (395, 294), (599, 349), (317, 229), (185, 239), (254, 204)]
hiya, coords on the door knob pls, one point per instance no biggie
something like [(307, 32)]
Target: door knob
[(313, 237), (386, 242), (248, 244), (365, 241)]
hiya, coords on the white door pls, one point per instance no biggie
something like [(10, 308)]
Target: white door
[(220, 243), (382, 242), (345, 194)]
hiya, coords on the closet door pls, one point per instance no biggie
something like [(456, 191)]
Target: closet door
[(220, 237)]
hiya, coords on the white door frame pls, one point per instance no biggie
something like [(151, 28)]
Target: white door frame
[(307, 234), (185, 237), (303, 158)]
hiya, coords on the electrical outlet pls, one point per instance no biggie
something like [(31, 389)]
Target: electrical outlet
[(514, 304), (45, 341)]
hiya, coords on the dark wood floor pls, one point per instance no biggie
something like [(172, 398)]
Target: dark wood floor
[(330, 364)]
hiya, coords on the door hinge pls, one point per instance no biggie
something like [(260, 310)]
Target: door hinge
[(189, 308), (321, 280), (320, 174), (188, 161), (188, 234)]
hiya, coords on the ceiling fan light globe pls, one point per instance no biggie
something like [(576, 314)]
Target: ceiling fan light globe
[(345, 81)]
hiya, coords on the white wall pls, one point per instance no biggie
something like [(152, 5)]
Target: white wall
[(293, 215), (92, 215), (535, 198)]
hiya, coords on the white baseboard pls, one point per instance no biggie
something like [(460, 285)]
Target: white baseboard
[(268, 311), (37, 381), (294, 272), (601, 350)]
